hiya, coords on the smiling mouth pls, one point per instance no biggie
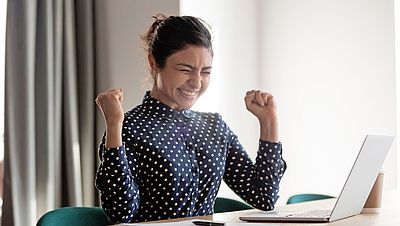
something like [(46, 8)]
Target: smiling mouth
[(188, 93)]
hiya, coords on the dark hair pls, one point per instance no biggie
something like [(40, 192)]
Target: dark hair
[(168, 35)]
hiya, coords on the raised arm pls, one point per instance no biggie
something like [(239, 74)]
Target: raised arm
[(257, 183), (116, 174), (110, 104)]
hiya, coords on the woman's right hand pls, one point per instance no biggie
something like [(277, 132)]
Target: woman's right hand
[(110, 104)]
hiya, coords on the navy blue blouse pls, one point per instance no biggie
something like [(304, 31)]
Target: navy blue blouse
[(172, 162)]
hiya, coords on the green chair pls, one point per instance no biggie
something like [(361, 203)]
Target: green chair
[(307, 197), (76, 216), (226, 205)]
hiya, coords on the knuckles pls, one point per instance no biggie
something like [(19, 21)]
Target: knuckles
[(109, 95)]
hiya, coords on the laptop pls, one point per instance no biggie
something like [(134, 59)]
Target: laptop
[(354, 192)]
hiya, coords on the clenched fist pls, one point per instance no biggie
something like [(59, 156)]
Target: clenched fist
[(110, 104), (263, 106)]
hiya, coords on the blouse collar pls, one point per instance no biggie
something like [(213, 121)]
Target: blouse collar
[(158, 108)]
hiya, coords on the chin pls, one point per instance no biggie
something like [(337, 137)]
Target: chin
[(187, 105)]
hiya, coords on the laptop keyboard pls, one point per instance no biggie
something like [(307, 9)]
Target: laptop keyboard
[(305, 214), (311, 214)]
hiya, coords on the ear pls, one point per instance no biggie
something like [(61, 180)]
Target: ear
[(152, 63)]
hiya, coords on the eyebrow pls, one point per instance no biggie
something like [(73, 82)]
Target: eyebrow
[(191, 67)]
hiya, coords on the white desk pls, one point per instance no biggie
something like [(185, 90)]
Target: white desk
[(388, 216)]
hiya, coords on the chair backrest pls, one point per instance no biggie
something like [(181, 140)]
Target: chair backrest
[(226, 205), (307, 197), (76, 216)]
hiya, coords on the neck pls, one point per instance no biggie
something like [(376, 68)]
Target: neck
[(156, 94)]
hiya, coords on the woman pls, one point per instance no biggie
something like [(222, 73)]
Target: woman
[(162, 160)]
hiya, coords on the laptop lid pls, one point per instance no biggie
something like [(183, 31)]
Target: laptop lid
[(362, 176), (355, 190)]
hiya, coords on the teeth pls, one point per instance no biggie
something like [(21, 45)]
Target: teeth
[(189, 93)]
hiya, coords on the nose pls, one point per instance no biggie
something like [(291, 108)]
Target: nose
[(195, 80)]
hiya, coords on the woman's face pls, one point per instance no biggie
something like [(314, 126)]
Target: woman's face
[(184, 78)]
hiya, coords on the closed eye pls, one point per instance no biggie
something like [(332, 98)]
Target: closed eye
[(207, 72)]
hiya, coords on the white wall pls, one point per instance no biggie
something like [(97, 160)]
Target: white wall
[(330, 65), (397, 54)]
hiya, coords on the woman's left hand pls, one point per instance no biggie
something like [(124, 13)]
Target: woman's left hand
[(263, 106)]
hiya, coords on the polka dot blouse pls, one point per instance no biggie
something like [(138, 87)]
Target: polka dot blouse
[(172, 163)]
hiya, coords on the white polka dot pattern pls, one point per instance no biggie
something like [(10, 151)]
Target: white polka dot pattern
[(172, 163)]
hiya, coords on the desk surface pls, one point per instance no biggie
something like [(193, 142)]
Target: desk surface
[(388, 216)]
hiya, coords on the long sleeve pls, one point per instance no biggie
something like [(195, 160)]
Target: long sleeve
[(117, 184), (257, 184)]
